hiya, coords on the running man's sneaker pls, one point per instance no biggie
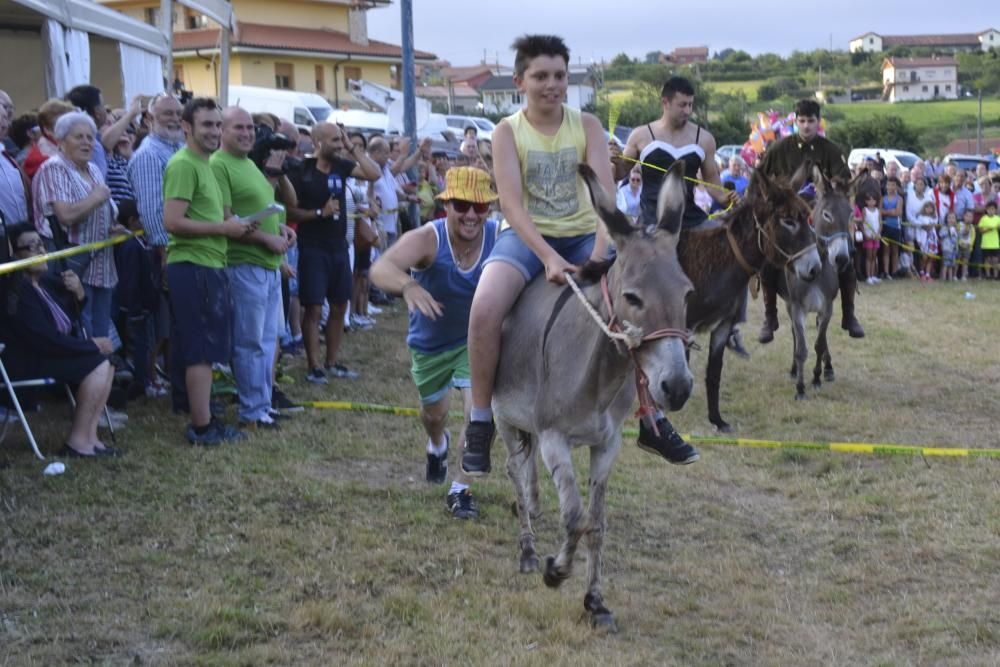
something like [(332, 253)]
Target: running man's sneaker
[(216, 434), (437, 466), (341, 371), (476, 455), (462, 506), (317, 376), (670, 445)]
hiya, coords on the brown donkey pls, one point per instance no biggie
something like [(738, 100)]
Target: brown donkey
[(770, 225)]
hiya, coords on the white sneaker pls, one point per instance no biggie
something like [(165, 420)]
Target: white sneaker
[(374, 310)]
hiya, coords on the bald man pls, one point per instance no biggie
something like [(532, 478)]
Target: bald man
[(324, 263), (252, 264)]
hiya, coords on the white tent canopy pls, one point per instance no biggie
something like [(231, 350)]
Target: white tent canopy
[(80, 42)]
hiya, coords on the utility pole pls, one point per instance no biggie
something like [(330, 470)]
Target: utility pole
[(409, 91), (167, 28), (979, 125)]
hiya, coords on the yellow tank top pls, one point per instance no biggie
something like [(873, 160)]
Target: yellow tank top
[(553, 193)]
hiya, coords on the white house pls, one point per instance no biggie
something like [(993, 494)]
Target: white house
[(914, 79), (873, 42), (500, 95)]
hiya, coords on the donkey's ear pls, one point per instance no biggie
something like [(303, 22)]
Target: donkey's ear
[(760, 185), (801, 175), (617, 223), (822, 183), (670, 203)]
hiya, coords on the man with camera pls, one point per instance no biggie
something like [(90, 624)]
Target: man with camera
[(253, 260), (324, 264)]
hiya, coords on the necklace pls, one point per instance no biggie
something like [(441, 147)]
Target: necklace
[(464, 256)]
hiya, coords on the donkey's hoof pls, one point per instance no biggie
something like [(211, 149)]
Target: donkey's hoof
[(828, 375), (552, 576), (817, 384), (604, 622), (529, 563), (793, 374), (801, 396), (723, 427)]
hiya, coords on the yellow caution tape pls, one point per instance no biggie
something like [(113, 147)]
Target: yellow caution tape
[(10, 267), (686, 178), (885, 449)]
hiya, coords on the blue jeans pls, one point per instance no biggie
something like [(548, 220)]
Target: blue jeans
[(96, 313), (255, 294)]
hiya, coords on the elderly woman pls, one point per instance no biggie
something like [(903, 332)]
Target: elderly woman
[(38, 322), (69, 191), (629, 194)]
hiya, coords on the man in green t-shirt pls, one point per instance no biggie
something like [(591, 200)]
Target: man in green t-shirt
[(194, 217), (253, 263)]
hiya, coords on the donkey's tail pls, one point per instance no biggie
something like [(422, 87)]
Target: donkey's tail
[(525, 444)]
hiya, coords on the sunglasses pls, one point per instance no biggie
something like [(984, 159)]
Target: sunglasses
[(32, 246), (462, 206)]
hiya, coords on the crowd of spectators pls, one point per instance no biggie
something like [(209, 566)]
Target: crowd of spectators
[(256, 239)]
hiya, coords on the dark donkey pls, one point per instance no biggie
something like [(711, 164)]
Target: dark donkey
[(831, 219), (564, 382), (771, 224)]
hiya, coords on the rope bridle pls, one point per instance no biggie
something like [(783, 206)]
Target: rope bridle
[(632, 336), (772, 243)]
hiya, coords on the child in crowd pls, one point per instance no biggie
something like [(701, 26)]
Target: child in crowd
[(966, 239), (138, 299), (989, 225), (892, 215), (857, 221), (926, 238), (948, 241), (871, 231)]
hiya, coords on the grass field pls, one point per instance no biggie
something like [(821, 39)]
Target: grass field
[(926, 115), (748, 88), (322, 545)]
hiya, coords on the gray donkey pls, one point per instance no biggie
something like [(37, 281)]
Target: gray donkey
[(563, 383), (831, 220)]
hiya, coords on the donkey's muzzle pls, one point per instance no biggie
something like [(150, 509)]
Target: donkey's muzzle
[(677, 391)]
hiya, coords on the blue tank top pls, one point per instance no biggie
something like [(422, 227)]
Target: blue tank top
[(890, 220), (453, 288)]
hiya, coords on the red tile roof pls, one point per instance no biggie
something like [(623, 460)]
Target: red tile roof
[(441, 92), (944, 61), (286, 38), (964, 39), (690, 51)]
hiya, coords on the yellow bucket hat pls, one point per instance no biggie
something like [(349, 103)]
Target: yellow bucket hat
[(468, 184)]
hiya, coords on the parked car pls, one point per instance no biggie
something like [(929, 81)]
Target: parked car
[(484, 126), (903, 159), (724, 153), (303, 109), (967, 162)]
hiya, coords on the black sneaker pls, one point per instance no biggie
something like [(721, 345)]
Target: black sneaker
[(462, 506), (476, 454), (281, 403), (670, 445), (216, 434), (437, 466)]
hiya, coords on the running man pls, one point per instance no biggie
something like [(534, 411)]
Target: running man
[(436, 269)]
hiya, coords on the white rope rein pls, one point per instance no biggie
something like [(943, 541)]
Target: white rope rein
[(631, 335)]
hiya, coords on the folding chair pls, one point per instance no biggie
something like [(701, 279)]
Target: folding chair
[(11, 386)]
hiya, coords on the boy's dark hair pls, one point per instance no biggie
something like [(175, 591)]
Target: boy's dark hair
[(436, 154), (528, 47), (196, 104), (674, 85), (17, 230), (475, 132), (127, 212), (85, 97), (806, 108), (893, 179), (991, 204)]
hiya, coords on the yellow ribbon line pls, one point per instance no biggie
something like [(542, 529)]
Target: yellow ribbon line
[(11, 267), (841, 447), (686, 178), (910, 248)]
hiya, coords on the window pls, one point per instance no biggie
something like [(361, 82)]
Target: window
[(352, 74), (906, 89), (320, 79), (153, 16), (924, 89), (302, 117), (871, 40), (179, 75), (284, 76), (948, 88), (913, 77)]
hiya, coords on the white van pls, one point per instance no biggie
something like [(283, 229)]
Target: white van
[(903, 159), (303, 109)]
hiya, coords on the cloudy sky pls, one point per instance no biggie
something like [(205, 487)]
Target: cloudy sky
[(460, 30)]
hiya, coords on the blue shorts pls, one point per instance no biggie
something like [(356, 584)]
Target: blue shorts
[(324, 274), (199, 305), (510, 249), (893, 233)]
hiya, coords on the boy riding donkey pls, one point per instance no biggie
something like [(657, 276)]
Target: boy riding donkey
[(552, 224)]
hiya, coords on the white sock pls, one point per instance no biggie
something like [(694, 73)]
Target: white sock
[(481, 414), (457, 488), (437, 450)]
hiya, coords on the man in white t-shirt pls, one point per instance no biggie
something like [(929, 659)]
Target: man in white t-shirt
[(386, 188)]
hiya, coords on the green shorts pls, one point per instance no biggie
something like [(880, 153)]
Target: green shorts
[(435, 374)]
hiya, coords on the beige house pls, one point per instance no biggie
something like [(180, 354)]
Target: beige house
[(312, 46), (872, 42), (916, 79)]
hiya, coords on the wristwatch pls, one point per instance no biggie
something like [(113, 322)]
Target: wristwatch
[(319, 213)]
